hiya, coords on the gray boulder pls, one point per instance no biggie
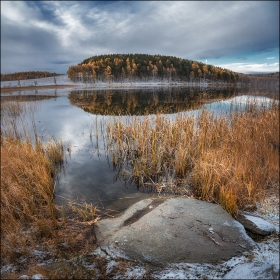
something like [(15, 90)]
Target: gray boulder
[(255, 224), (174, 230)]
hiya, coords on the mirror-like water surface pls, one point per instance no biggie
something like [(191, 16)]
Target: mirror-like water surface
[(79, 118)]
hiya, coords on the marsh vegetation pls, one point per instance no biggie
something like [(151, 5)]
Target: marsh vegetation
[(28, 211), (227, 160), (30, 218), (118, 147)]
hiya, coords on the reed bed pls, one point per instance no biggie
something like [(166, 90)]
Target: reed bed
[(229, 160), (28, 168), (28, 211), (30, 219)]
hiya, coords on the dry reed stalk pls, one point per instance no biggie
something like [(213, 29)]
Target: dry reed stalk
[(226, 160)]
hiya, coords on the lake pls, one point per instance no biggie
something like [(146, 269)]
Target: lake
[(79, 118)]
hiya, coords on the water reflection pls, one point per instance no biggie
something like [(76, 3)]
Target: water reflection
[(143, 101)]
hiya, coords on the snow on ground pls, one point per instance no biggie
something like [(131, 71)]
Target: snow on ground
[(49, 81), (261, 263), (35, 276), (64, 80), (245, 99)]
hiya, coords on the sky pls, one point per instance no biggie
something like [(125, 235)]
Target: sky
[(242, 36)]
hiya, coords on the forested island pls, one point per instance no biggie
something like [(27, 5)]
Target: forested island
[(147, 68), (27, 75)]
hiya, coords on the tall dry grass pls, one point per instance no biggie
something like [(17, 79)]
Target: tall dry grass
[(30, 219), (28, 166), (228, 160), (28, 211)]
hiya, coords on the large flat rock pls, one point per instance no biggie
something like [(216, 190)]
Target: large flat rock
[(174, 230)]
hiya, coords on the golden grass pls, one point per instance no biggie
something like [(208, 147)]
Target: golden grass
[(30, 219), (230, 161), (27, 208)]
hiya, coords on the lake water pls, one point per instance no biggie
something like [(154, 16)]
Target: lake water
[(79, 117)]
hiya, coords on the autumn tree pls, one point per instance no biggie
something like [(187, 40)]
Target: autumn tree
[(205, 71), (128, 68), (108, 73), (155, 72), (195, 68), (144, 67)]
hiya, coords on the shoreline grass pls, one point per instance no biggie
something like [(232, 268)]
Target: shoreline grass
[(229, 161), (30, 218), (32, 225), (28, 211)]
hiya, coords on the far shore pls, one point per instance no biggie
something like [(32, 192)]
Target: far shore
[(106, 85), (12, 89)]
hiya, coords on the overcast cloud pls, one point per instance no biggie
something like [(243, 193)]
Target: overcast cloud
[(43, 35)]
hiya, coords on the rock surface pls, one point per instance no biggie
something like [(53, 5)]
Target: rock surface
[(174, 230), (255, 224)]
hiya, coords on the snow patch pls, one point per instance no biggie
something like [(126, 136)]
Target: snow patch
[(211, 230), (37, 276), (134, 273), (244, 234), (113, 252), (253, 271), (244, 99), (49, 81), (260, 223)]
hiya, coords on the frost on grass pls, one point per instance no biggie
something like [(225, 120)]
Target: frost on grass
[(269, 210)]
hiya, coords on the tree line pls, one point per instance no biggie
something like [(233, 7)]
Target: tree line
[(27, 75), (146, 68)]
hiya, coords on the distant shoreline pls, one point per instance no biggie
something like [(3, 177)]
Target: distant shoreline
[(12, 89), (108, 86)]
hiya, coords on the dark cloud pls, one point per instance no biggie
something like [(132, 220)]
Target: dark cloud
[(45, 12), (39, 41), (65, 31)]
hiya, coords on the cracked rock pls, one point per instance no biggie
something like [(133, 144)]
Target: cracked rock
[(162, 234)]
